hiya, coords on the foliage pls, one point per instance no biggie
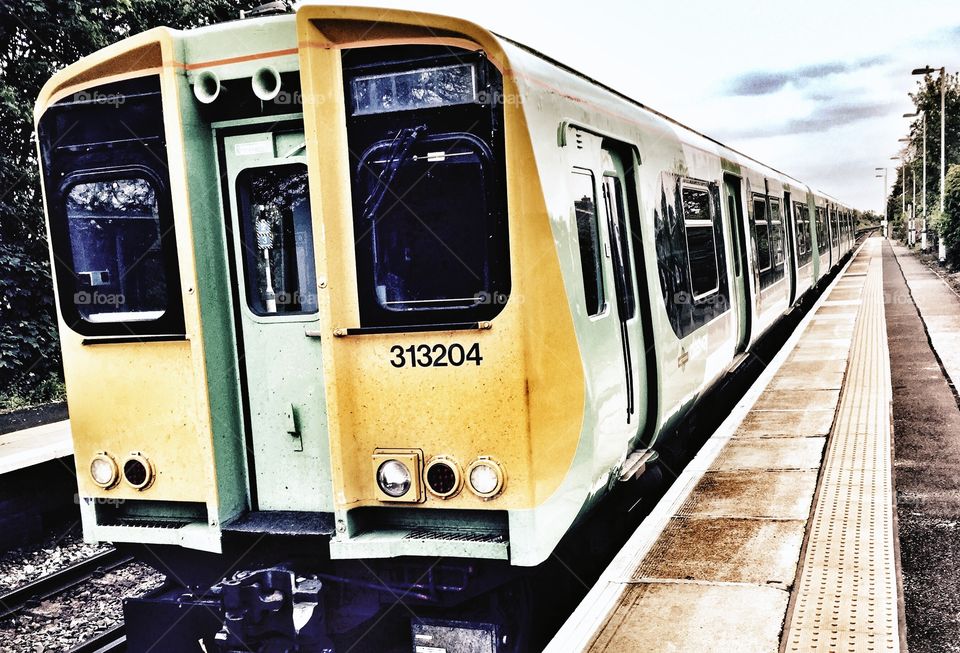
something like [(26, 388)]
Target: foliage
[(926, 101), (949, 223), (38, 37)]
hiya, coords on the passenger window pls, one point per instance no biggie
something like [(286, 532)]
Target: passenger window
[(114, 231), (762, 231), (701, 243), (691, 260), (613, 200), (588, 235), (776, 233), (277, 237)]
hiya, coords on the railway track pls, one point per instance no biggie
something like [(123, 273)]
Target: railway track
[(113, 640), (64, 579)]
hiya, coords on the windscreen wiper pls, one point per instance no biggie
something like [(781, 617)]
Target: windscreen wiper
[(399, 152)]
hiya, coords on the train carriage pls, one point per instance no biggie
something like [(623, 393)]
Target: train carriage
[(380, 288)]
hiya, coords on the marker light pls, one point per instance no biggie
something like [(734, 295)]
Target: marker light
[(394, 478), (138, 471), (443, 477), (104, 471), (486, 477)]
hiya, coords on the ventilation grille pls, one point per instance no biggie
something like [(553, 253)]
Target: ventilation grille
[(453, 536)]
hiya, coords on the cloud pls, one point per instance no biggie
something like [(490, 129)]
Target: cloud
[(767, 82), (825, 116)]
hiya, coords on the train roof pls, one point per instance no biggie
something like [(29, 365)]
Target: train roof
[(623, 96)]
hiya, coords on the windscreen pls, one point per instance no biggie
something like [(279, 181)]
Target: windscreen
[(425, 134)]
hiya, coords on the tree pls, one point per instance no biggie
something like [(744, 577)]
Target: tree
[(38, 37), (926, 100)]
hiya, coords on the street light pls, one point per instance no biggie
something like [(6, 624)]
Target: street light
[(924, 193), (886, 218), (903, 183), (913, 180), (926, 70)]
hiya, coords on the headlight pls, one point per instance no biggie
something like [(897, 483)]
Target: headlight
[(104, 471), (394, 478), (485, 477), (138, 471)]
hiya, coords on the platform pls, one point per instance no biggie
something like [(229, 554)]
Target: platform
[(780, 534), (35, 446)]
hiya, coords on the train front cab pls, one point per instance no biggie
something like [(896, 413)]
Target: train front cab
[(140, 372), (446, 353)]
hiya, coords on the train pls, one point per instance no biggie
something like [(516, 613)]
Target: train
[(363, 306)]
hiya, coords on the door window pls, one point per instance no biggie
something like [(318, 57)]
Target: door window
[(588, 236), (277, 239), (762, 231), (613, 199)]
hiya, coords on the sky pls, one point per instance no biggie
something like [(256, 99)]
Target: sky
[(815, 89)]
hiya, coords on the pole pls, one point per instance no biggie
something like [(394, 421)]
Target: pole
[(924, 193), (913, 175), (886, 206), (903, 185), (943, 137), (942, 248)]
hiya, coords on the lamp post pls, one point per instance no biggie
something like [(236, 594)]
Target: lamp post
[(926, 70), (903, 183), (903, 192), (886, 217), (913, 175), (924, 193)]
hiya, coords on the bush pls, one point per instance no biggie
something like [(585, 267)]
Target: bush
[(948, 224)]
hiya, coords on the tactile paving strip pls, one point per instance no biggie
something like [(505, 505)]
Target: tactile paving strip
[(846, 599)]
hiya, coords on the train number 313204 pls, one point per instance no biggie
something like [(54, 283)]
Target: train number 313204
[(435, 355)]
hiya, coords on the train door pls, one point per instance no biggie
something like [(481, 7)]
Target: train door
[(734, 203), (267, 212), (606, 328), (789, 226), (834, 236), (624, 244)]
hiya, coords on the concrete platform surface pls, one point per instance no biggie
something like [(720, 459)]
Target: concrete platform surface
[(926, 423), (34, 446), (939, 306)]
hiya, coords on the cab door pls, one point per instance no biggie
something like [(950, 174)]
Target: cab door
[(605, 324), (624, 239), (269, 225)]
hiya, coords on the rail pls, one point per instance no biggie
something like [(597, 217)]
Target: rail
[(60, 581)]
